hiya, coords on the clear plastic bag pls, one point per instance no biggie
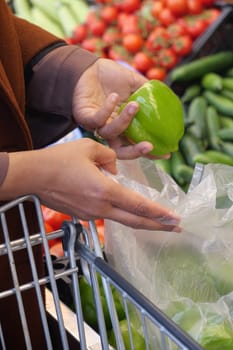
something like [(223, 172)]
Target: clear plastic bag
[(188, 275)]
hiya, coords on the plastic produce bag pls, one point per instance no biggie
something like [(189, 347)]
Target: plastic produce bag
[(188, 275)]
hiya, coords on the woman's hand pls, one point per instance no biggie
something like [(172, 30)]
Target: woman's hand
[(68, 178), (102, 88)]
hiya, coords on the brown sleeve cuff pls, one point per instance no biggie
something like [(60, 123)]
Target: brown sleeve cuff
[(4, 163), (54, 78)]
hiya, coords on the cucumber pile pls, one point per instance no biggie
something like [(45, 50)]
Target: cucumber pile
[(207, 98)]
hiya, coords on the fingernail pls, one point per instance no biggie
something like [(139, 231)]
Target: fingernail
[(147, 149), (114, 97), (132, 108)]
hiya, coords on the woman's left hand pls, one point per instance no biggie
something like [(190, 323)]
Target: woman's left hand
[(102, 88)]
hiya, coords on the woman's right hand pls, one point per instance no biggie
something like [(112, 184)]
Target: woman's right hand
[(68, 178)]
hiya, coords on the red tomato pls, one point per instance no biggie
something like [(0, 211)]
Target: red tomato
[(196, 27), (176, 29), (208, 3), (54, 218), (92, 44), (167, 58), (177, 7), (118, 53), (97, 27), (159, 38), (111, 36), (157, 73), (129, 6), (80, 33), (195, 6), (166, 17), (182, 45), (129, 24), (142, 61), (210, 15), (109, 13), (156, 8), (132, 42)]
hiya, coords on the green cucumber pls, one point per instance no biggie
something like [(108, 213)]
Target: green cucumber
[(227, 148), (225, 121), (177, 159), (230, 72), (191, 92), (221, 103), (164, 164), (212, 81), (213, 126), (227, 83), (185, 172), (197, 117), (207, 64), (212, 156), (227, 93), (190, 146), (226, 134)]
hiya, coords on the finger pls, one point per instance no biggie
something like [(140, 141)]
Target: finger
[(137, 210), (130, 151), (120, 122), (142, 222), (103, 114)]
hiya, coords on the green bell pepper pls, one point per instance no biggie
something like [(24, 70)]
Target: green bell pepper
[(159, 120), (138, 340), (89, 307)]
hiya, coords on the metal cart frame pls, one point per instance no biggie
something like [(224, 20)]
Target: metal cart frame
[(81, 248)]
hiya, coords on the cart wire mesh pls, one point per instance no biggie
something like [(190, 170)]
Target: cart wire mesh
[(82, 255)]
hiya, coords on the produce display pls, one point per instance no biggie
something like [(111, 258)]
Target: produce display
[(151, 35), (157, 121), (208, 105)]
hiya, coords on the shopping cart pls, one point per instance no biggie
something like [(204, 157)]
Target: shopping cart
[(64, 327)]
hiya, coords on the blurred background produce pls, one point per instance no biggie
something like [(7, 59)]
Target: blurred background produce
[(151, 35)]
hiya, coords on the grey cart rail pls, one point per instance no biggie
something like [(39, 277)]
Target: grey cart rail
[(65, 328)]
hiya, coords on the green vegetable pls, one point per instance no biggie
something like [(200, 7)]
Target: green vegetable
[(191, 92), (138, 340), (217, 336), (160, 119), (227, 83), (213, 126), (230, 72), (222, 104), (221, 270), (212, 156), (197, 68), (88, 304), (197, 118), (184, 271), (212, 81), (227, 148), (227, 93), (226, 122), (226, 134), (191, 146), (185, 172), (177, 160), (164, 164)]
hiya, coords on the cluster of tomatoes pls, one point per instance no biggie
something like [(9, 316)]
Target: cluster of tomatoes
[(53, 221), (150, 35)]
